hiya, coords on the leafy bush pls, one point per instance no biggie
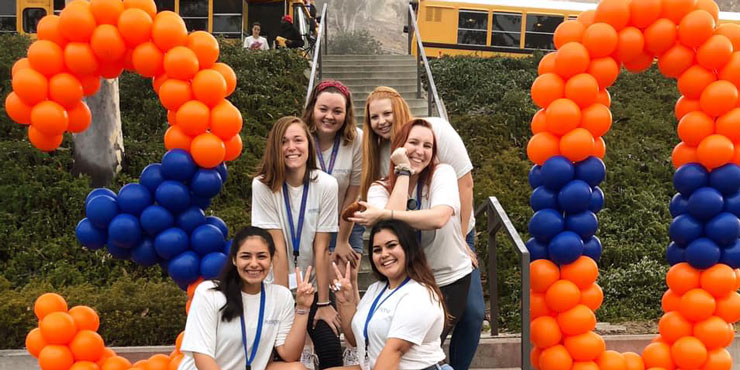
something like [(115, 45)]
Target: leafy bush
[(355, 42)]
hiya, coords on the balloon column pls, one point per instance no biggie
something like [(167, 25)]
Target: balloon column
[(702, 302)]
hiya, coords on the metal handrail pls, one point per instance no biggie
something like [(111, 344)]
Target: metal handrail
[(497, 219), (316, 55), (422, 59)]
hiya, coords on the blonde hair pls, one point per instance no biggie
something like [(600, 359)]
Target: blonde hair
[(371, 141), (272, 166)]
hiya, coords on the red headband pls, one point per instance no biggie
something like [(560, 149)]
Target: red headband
[(335, 84)]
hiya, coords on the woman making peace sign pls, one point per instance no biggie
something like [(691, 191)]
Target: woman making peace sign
[(216, 339)]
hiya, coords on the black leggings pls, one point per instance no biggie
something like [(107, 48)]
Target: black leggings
[(325, 343), (456, 297)]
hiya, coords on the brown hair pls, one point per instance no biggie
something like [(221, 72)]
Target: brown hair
[(399, 140), (272, 166), (371, 141), (349, 126)]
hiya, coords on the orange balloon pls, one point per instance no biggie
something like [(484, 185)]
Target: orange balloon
[(205, 47), (670, 301), (546, 89), (80, 59), (694, 80), (714, 333), (87, 345), (543, 273), (173, 93), (675, 61), (85, 318), (689, 353), (50, 118), (658, 355), (168, 31), (106, 11), (90, 84), (48, 29), (583, 89), (158, 81), (600, 39), (675, 10), (147, 5), (562, 116), (681, 278), (147, 59), (135, 26), (694, 127), (630, 44), (695, 28), (604, 70), (187, 307), (715, 151), (570, 30), (157, 362), (17, 110), (592, 297), (660, 36), (171, 117), (718, 280), (583, 272), (538, 122), (545, 332), (737, 279), (728, 125), (682, 154), (65, 89), (79, 120), (562, 295), (644, 13), (718, 359), (30, 86), (46, 57), (76, 21), (58, 328), (710, 6), (178, 340), (634, 361), (35, 342), (556, 358), (614, 12), (597, 119), (44, 142), (107, 43), (572, 59), (111, 69), (731, 70), (732, 32), (226, 120), (697, 305), (611, 360), (577, 145), (542, 146), (181, 63), (577, 320), (587, 17), (230, 76), (55, 357), (673, 326), (585, 347), (640, 63), (210, 87), (728, 308), (538, 306), (208, 150), (599, 147), (116, 363), (718, 98), (546, 64), (18, 65), (193, 118), (84, 365), (715, 52), (174, 138), (685, 105), (534, 357), (175, 362)]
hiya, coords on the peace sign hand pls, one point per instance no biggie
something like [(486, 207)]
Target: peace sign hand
[(304, 292), (342, 286)]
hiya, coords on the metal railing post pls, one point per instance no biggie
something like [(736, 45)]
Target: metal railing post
[(410, 30), (418, 75), (326, 34), (493, 269), (316, 64)]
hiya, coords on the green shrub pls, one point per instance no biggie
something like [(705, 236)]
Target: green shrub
[(355, 42)]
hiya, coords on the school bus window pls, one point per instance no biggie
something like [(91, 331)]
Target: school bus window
[(572, 17), (471, 27), (7, 16), (506, 30), (58, 6), (227, 18), (31, 17), (165, 5), (195, 14), (540, 29)]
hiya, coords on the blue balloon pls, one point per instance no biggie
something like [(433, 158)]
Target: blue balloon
[(597, 200), (184, 268), (133, 198), (202, 203), (545, 224), (223, 171), (731, 256), (584, 224), (206, 183), (118, 253), (537, 250), (690, 177), (557, 171), (171, 242), (684, 229), (99, 191), (591, 170), (190, 219), (155, 219), (173, 195), (206, 239), (177, 164), (219, 223), (726, 179), (227, 246), (679, 205), (705, 203), (100, 210), (732, 204), (124, 231), (675, 254), (565, 247), (723, 229), (702, 253), (592, 248), (211, 265), (152, 176), (575, 197), (542, 198), (89, 236), (535, 176), (144, 254)]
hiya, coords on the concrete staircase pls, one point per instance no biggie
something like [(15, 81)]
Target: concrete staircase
[(363, 73)]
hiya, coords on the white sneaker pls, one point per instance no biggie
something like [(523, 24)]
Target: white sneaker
[(350, 356), (309, 358)]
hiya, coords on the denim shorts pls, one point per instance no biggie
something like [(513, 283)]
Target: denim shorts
[(355, 239)]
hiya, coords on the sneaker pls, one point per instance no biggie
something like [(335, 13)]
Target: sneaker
[(350, 356), (309, 359)]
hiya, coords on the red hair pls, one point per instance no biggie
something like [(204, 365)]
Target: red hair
[(399, 140)]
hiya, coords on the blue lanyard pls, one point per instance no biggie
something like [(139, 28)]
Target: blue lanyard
[(334, 151), (295, 238), (257, 336), (377, 305)]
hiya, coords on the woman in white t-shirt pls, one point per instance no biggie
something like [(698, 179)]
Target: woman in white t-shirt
[(424, 194), (297, 204), (398, 322), (237, 320), (255, 41)]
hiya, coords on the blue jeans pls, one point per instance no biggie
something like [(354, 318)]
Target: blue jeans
[(466, 334), (355, 239)]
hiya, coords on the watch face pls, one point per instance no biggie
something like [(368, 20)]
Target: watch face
[(412, 205)]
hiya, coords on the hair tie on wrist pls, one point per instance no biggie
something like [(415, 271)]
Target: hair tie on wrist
[(323, 304)]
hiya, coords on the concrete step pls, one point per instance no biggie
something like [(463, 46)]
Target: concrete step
[(368, 68), (360, 97), (377, 81), (370, 64), (349, 57), (360, 89), (365, 74)]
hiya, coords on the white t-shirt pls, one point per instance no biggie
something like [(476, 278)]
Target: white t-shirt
[(445, 248), (206, 333), (261, 43), (450, 150), (269, 212), (409, 314), (347, 166)]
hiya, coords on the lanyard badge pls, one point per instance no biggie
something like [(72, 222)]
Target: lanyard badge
[(374, 307), (256, 342), (295, 238), (332, 159)]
